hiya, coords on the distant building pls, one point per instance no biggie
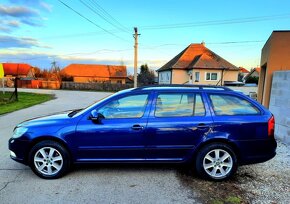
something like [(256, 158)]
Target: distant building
[(275, 57), (18, 69), (244, 71), (196, 64), (96, 73), (253, 73)]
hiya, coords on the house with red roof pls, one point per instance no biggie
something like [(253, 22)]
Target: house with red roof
[(17, 70), (255, 72), (196, 64), (244, 71), (96, 73), (24, 72)]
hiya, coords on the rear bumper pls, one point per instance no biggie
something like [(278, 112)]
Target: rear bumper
[(257, 151)]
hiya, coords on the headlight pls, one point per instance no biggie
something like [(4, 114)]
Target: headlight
[(18, 132)]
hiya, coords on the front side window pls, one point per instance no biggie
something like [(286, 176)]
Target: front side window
[(127, 107), (211, 76), (181, 104), (232, 105)]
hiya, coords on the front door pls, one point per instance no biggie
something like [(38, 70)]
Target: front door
[(119, 135)]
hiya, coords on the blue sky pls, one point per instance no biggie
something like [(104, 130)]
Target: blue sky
[(38, 32)]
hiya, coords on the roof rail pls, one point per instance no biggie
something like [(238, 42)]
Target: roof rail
[(187, 86)]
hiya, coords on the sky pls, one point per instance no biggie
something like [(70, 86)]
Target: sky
[(101, 31)]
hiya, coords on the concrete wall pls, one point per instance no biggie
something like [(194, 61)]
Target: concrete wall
[(275, 57), (280, 104)]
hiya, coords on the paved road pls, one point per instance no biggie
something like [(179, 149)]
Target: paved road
[(92, 184)]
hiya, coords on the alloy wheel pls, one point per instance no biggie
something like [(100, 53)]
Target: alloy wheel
[(218, 163), (48, 161)]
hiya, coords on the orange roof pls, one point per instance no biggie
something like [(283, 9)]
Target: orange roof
[(95, 70), (16, 69), (197, 56), (258, 69), (243, 70)]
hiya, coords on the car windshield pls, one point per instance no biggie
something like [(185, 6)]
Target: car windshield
[(81, 111)]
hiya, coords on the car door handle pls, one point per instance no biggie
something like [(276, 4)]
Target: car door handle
[(202, 126), (137, 127)]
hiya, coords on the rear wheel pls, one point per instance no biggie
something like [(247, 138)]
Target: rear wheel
[(49, 159), (216, 161)]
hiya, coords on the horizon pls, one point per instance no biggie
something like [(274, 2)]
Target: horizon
[(96, 32)]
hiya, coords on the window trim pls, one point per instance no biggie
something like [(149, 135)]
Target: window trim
[(172, 93), (218, 76), (234, 95), (197, 79)]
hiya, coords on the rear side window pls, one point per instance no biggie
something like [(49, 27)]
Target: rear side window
[(179, 104), (232, 105)]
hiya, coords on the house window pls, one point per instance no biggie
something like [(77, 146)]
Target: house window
[(196, 76), (119, 81), (211, 76)]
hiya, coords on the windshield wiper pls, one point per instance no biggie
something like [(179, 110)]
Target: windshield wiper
[(71, 114)]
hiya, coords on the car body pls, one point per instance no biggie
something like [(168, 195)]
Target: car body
[(212, 128)]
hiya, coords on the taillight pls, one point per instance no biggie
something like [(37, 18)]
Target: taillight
[(271, 127)]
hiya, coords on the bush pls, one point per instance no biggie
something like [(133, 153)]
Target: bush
[(252, 79)]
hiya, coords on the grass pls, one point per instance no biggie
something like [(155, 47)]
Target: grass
[(25, 100), (228, 200)]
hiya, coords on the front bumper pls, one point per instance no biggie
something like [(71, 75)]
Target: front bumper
[(19, 150)]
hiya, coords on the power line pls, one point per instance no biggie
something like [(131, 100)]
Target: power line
[(106, 14), (69, 54), (152, 47), (100, 15), (216, 22), (91, 21), (181, 25)]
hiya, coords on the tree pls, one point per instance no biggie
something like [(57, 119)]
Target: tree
[(252, 79), (146, 75)]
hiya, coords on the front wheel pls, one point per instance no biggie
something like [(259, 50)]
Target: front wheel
[(49, 160), (216, 161)]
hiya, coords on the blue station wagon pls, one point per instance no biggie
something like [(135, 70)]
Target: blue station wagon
[(212, 128)]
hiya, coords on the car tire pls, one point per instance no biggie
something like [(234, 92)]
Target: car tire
[(49, 160), (216, 161)]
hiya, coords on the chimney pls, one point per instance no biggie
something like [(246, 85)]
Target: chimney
[(203, 43)]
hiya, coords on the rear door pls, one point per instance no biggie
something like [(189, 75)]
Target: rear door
[(237, 117), (177, 122), (241, 121)]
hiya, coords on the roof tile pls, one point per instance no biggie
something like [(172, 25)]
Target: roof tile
[(95, 70), (197, 56), (16, 69)]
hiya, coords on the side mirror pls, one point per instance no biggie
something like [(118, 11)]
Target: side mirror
[(96, 117)]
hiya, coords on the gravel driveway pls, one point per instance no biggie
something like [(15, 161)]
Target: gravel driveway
[(262, 183)]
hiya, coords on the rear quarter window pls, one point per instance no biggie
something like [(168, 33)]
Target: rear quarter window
[(224, 104)]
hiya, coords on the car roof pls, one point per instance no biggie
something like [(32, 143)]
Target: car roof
[(181, 87)]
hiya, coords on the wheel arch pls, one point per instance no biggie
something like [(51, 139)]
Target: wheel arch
[(50, 138), (218, 140)]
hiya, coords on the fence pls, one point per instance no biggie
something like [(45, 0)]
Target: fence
[(95, 86)]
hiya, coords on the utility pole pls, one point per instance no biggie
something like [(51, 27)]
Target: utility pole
[(135, 35)]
